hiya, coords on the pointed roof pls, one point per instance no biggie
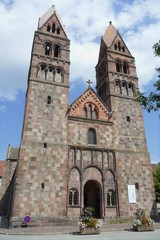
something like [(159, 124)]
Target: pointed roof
[(48, 15), (110, 34)]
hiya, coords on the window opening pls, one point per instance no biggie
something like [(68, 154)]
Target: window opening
[(89, 111), (50, 69), (118, 87), (58, 30), (123, 49), (42, 67), (130, 90), (49, 99), (73, 197), (124, 89), (128, 119), (125, 68), (58, 71), (92, 136), (119, 46), (53, 27), (48, 28), (137, 186), (56, 50), (48, 48), (111, 198), (42, 71), (45, 145), (115, 46), (95, 114), (85, 112), (42, 185), (118, 66)]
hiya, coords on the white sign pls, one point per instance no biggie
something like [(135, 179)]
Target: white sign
[(131, 194)]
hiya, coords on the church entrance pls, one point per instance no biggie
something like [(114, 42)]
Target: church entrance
[(92, 197)]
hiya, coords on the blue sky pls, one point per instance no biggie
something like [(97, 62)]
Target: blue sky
[(85, 22)]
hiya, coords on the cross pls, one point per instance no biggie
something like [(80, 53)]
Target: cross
[(89, 83)]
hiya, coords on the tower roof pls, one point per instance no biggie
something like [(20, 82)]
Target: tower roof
[(48, 15), (110, 34)]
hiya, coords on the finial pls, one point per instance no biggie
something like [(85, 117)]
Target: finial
[(110, 22), (89, 83)]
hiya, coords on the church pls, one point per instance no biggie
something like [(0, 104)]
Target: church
[(91, 153)]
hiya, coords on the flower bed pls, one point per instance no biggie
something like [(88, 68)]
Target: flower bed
[(88, 224), (142, 222)]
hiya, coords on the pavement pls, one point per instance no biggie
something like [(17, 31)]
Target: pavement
[(54, 230)]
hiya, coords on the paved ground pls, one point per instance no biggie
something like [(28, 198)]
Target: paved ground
[(71, 231), (62, 229), (110, 235)]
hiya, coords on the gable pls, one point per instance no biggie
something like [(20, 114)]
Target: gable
[(89, 100), (52, 21), (120, 44)]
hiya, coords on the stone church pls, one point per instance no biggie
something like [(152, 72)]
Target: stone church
[(91, 153)]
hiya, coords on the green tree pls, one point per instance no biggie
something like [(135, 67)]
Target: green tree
[(156, 179), (152, 101)]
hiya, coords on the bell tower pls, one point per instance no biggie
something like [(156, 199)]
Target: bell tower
[(40, 182), (117, 86), (115, 71)]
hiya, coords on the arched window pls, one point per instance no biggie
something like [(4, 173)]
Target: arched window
[(48, 48), (50, 73), (48, 28), (85, 112), (119, 46), (95, 114), (56, 50), (115, 46), (117, 87), (111, 198), (123, 49), (59, 75), (73, 197), (124, 88), (92, 136), (89, 111), (125, 68), (118, 66), (42, 71), (58, 30), (130, 90), (53, 27)]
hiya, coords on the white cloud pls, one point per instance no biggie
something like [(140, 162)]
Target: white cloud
[(85, 21)]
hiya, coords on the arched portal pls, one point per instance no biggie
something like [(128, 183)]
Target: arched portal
[(92, 197)]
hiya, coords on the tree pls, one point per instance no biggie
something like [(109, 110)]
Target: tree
[(152, 101), (156, 179)]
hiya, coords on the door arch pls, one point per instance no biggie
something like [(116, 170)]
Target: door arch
[(92, 197)]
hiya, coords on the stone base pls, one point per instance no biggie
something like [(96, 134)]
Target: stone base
[(143, 228), (85, 231)]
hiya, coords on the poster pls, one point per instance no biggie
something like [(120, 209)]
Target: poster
[(131, 194)]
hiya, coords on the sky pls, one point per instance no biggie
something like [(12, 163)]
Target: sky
[(85, 22)]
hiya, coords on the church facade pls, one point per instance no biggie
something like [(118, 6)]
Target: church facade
[(92, 153)]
